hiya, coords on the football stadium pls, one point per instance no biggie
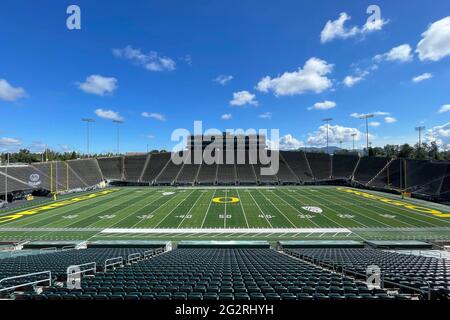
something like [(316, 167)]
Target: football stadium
[(227, 216)]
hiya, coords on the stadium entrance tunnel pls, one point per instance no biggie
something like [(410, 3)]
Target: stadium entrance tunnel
[(225, 200)]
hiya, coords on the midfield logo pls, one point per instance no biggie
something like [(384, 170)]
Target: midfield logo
[(313, 209)]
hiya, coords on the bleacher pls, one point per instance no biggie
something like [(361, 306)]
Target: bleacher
[(224, 274), (297, 161), (207, 174), (425, 177), (368, 168), (344, 165), (320, 164), (264, 179), (409, 273), (189, 171), (111, 168), (169, 173), (226, 174), (155, 164), (88, 170), (133, 167), (390, 177), (285, 175)]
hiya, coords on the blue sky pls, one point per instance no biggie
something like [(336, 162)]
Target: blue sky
[(285, 68)]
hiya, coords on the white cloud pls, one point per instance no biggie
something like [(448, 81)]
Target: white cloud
[(444, 108), (374, 124), (151, 136), (242, 98), (336, 29), (153, 115), (376, 113), (312, 78), (223, 79), (440, 134), (108, 114), (325, 105), (10, 142), (287, 142), (151, 61), (390, 120), (99, 85), (402, 53), (265, 115), (422, 77), (336, 134), (435, 43), (226, 116), (350, 81), (10, 93)]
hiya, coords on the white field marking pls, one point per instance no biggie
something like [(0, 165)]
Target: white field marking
[(157, 197), (207, 210), (140, 208), (260, 210), (227, 231), (192, 207), (95, 213), (273, 205), (325, 214), (361, 215), (225, 215), (169, 199), (410, 211), (300, 212), (174, 209), (64, 210), (242, 207)]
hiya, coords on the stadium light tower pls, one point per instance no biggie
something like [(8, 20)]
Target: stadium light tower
[(118, 122), (327, 120), (353, 137), (6, 177), (367, 117), (88, 121), (420, 129)]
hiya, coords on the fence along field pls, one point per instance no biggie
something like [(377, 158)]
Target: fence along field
[(227, 213)]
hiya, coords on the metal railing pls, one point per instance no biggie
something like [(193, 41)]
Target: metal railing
[(73, 267), (113, 262), (51, 249), (149, 253), (340, 267), (29, 283), (133, 257)]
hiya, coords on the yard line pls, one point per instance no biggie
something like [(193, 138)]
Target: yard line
[(207, 210), (148, 204), (359, 214), (159, 222), (372, 212), (260, 210), (243, 210), (317, 225), (225, 214), (325, 216), (415, 212), (278, 209), (192, 207), (53, 213)]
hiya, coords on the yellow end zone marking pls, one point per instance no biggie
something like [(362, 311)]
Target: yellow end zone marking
[(54, 205), (397, 203), (225, 200)]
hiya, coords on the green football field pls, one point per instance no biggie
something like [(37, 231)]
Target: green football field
[(233, 213)]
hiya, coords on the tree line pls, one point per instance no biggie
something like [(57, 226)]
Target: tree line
[(423, 152)]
